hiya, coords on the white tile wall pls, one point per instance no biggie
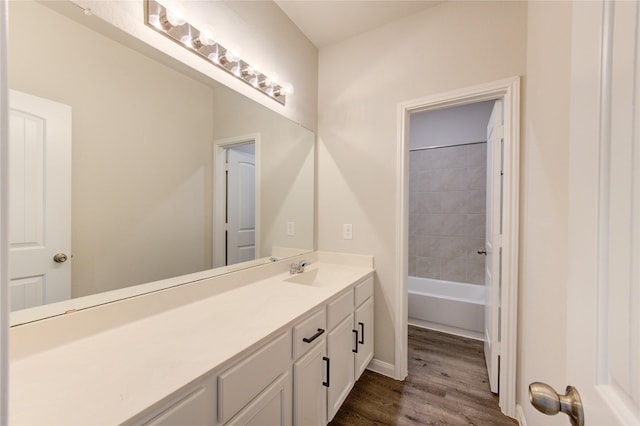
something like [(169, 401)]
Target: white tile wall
[(447, 203)]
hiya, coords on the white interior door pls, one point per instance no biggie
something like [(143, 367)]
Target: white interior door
[(493, 245), (603, 297), (241, 196), (40, 201)]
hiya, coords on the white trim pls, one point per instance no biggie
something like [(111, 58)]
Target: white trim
[(402, 236), (219, 147), (4, 219), (509, 91), (382, 367), (520, 415)]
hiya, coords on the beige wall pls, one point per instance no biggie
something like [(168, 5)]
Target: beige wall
[(286, 158), (544, 204), (361, 82), (141, 170)]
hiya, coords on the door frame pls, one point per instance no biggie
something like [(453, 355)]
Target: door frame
[(219, 148), (509, 91)]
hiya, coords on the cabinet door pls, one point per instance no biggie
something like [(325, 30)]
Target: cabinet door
[(340, 346), (309, 393), (271, 408), (364, 325)]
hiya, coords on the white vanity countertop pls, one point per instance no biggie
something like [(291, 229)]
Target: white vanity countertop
[(109, 377)]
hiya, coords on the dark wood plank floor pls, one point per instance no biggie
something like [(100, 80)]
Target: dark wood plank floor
[(447, 385)]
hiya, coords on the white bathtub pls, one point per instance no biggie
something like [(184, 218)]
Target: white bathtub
[(447, 306)]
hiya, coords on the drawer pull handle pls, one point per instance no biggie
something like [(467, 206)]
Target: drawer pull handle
[(361, 341), (324, 358), (355, 351), (314, 337)]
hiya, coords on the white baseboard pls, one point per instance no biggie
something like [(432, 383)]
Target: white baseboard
[(383, 368), (520, 415)]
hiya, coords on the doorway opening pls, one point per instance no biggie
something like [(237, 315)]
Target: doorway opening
[(454, 247), (454, 257), (236, 200)]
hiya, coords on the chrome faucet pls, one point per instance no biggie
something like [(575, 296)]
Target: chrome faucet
[(297, 268)]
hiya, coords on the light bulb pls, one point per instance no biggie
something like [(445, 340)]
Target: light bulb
[(175, 17), (187, 41), (206, 37), (231, 56), (214, 56), (271, 80), (254, 69), (287, 89)]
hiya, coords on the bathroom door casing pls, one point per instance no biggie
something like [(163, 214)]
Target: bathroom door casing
[(40, 201), (493, 244)]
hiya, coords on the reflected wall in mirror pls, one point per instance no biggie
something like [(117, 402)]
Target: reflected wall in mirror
[(144, 138)]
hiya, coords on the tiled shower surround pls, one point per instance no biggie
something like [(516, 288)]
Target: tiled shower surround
[(447, 205)]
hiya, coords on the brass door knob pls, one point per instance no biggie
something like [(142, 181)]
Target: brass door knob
[(60, 258)]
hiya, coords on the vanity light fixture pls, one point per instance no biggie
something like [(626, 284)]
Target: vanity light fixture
[(173, 25)]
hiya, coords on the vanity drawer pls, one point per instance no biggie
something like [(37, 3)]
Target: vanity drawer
[(364, 290), (313, 329), (239, 384), (339, 309)]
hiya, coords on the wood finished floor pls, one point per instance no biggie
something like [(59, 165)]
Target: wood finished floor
[(447, 385)]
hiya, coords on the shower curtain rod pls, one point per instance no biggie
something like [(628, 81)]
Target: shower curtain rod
[(445, 146)]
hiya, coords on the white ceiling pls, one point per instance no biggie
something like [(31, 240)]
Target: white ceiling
[(326, 22)]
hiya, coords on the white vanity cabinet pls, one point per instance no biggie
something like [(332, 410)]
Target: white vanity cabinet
[(340, 346), (301, 377), (311, 371), (328, 364), (257, 389), (350, 341)]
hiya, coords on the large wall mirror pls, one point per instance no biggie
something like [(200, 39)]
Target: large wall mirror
[(158, 174)]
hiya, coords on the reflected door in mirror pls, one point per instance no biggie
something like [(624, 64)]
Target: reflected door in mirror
[(40, 203), (241, 203)]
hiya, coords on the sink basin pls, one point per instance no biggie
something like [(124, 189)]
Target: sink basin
[(325, 276), (306, 278)]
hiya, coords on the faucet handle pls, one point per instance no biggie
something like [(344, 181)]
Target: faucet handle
[(302, 265)]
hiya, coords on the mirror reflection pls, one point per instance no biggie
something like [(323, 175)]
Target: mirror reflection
[(126, 171)]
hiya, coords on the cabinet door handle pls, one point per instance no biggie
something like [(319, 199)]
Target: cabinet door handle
[(324, 358), (361, 341), (314, 337), (355, 351)]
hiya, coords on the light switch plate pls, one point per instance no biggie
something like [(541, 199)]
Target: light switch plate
[(347, 231), (291, 229)]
